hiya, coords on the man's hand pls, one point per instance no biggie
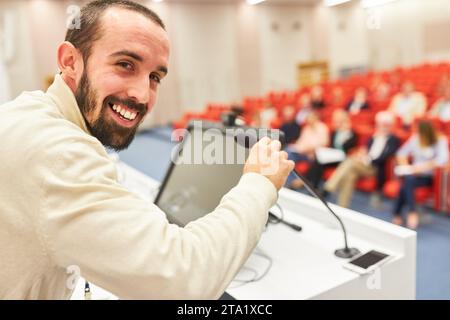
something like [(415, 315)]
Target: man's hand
[(266, 158)]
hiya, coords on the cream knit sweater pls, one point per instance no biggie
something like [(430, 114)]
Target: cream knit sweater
[(62, 209)]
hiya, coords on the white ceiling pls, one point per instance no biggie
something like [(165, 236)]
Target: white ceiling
[(300, 2)]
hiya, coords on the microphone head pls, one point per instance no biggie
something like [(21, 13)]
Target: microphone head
[(250, 136), (246, 138)]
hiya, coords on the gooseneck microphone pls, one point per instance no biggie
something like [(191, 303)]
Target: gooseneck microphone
[(345, 252), (250, 136)]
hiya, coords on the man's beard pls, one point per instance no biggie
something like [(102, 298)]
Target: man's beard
[(108, 132)]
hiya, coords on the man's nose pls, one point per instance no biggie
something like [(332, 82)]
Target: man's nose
[(140, 91)]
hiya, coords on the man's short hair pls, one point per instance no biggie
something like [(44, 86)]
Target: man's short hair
[(90, 29)]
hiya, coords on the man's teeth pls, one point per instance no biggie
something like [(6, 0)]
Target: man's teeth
[(126, 114)]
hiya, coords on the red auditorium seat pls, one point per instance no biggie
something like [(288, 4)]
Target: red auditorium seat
[(364, 117), (380, 105), (392, 188), (363, 132), (436, 194), (302, 167), (328, 172), (276, 123), (367, 184)]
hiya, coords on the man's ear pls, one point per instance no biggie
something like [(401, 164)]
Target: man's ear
[(70, 62)]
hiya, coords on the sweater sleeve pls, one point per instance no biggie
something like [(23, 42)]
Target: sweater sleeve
[(442, 151), (407, 148), (127, 246)]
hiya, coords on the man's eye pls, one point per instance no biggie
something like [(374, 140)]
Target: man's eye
[(155, 78), (125, 65)]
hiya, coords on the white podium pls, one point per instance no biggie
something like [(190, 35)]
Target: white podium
[(303, 264)]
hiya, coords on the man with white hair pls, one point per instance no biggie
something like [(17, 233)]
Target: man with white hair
[(367, 161)]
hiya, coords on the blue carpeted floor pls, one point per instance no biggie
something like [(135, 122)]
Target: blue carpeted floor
[(150, 153)]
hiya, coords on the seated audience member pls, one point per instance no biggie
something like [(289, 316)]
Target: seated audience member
[(337, 98), (314, 134), (367, 161), (395, 80), (408, 104), (428, 150), (289, 127), (304, 110), (359, 102), (317, 100), (255, 118), (237, 109), (267, 115), (380, 89), (342, 138), (441, 108), (443, 83)]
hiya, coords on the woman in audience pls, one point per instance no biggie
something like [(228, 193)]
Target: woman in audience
[(368, 161), (337, 98), (342, 138), (314, 134), (408, 104), (305, 109), (441, 108), (428, 150), (267, 115), (255, 118), (380, 89), (359, 101), (317, 100)]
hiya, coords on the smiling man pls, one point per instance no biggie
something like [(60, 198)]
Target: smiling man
[(117, 86), (62, 207)]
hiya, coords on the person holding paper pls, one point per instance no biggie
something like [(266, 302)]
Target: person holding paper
[(343, 139), (368, 161), (359, 101), (428, 150)]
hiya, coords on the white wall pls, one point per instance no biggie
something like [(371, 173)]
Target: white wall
[(222, 52), (347, 37), (436, 17), (396, 36), (399, 41), (285, 41), (48, 20), (204, 46), (21, 68), (248, 52)]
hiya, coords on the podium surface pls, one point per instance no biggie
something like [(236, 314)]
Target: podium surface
[(303, 264)]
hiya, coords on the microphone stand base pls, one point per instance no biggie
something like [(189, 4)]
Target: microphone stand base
[(346, 253)]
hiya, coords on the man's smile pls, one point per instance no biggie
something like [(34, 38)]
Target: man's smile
[(123, 115)]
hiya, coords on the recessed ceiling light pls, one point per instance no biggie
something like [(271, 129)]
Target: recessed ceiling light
[(254, 1), (374, 3), (330, 3)]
